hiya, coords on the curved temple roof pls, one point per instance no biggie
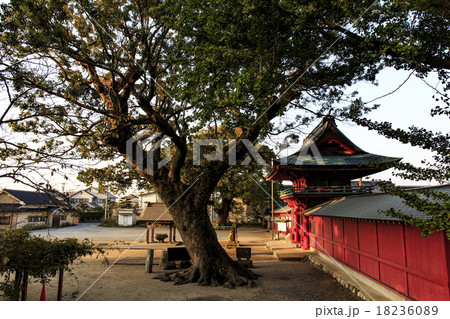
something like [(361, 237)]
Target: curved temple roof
[(327, 148)]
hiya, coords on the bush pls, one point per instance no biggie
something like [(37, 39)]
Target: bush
[(91, 215), (35, 226), (23, 255), (109, 222), (65, 224)]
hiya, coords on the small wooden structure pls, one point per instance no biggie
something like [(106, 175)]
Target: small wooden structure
[(156, 215), (282, 221), (127, 217)]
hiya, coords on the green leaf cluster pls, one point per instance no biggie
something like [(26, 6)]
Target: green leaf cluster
[(22, 253)]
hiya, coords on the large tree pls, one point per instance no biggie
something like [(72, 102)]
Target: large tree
[(93, 75)]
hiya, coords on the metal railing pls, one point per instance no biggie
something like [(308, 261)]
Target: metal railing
[(350, 190)]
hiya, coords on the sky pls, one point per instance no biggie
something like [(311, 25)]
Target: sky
[(409, 105)]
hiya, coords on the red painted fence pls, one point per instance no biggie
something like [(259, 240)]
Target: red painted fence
[(393, 254)]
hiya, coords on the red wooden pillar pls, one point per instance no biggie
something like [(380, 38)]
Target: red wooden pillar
[(306, 232), (300, 230), (447, 253), (294, 222), (297, 228)]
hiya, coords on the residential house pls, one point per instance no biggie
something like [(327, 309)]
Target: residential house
[(148, 197), (19, 208), (91, 198)]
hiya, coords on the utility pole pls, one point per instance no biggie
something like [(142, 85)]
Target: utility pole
[(106, 204)]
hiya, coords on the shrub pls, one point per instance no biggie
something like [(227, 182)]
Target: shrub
[(109, 222), (34, 226), (65, 224), (23, 255), (91, 215)]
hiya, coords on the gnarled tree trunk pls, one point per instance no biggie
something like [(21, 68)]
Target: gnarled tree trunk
[(211, 265)]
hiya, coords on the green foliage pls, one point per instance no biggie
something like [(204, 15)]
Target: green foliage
[(248, 184), (118, 177), (124, 203), (21, 253), (109, 222), (34, 226), (91, 215), (434, 204)]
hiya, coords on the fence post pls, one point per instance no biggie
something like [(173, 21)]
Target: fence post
[(60, 284), (25, 286), (149, 261)]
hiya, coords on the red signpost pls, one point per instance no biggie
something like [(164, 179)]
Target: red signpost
[(42, 298)]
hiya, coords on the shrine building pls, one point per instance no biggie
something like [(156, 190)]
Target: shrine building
[(323, 169)]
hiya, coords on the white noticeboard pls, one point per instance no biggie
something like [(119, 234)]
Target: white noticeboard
[(281, 226)]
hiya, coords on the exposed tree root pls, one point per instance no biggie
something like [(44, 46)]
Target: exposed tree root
[(229, 277)]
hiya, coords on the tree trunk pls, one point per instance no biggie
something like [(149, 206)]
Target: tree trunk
[(211, 265), (223, 211)]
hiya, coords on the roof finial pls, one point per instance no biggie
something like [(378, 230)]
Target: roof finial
[(328, 118)]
